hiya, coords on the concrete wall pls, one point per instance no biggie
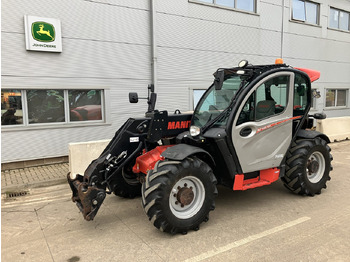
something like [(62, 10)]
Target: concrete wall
[(81, 155), (107, 44), (336, 128)]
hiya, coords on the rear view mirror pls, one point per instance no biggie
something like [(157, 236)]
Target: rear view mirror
[(219, 79), (152, 102), (133, 97), (301, 90)]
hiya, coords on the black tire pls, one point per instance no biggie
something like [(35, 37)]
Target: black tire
[(307, 166), (177, 196), (126, 184)]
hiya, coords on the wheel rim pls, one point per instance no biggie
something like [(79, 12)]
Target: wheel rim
[(315, 168), (187, 197)]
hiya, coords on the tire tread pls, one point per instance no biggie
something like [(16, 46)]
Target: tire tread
[(159, 178), (295, 176)]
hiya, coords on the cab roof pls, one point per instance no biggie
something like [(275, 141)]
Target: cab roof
[(259, 69)]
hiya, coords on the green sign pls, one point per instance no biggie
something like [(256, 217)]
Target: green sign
[(43, 32)]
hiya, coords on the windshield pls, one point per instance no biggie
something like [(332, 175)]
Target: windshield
[(214, 102)]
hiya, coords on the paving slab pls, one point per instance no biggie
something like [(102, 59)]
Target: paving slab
[(36, 250), (25, 229), (22, 179)]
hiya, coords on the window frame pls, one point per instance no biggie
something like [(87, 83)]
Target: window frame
[(339, 10), (336, 98), (318, 11), (214, 4), (105, 110)]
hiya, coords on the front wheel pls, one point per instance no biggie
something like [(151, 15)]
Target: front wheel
[(126, 184), (307, 167), (178, 195)]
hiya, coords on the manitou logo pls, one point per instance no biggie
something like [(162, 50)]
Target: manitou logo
[(179, 124)]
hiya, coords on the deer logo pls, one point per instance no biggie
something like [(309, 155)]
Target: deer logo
[(43, 32)]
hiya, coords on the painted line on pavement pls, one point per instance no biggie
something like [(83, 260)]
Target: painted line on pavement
[(247, 240)]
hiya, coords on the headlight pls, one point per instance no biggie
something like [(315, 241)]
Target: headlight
[(243, 63), (195, 130)]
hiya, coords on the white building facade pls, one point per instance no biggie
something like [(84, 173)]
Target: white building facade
[(112, 47)]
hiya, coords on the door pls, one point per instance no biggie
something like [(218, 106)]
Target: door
[(262, 131)]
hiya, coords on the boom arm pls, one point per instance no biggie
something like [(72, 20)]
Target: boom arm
[(135, 138)]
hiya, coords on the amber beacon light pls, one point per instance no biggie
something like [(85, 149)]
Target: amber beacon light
[(279, 61)]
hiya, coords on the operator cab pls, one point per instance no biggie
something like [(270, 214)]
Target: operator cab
[(270, 98), (251, 114)]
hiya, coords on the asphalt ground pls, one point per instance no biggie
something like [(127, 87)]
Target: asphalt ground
[(262, 224)]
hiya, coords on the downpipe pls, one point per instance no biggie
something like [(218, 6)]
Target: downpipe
[(153, 27)]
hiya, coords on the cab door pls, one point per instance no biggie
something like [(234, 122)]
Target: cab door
[(262, 130)]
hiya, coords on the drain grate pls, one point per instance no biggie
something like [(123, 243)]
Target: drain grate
[(16, 194)]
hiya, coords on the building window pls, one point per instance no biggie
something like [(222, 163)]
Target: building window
[(339, 19), (45, 106), (306, 11), (85, 105), (197, 94), (11, 107), (50, 106), (246, 5), (336, 98)]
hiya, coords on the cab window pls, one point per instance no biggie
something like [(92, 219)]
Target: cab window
[(268, 99), (214, 102), (301, 91)]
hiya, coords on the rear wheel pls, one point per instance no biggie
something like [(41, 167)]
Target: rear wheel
[(178, 195), (307, 167)]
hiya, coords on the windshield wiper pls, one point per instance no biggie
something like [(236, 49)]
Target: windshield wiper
[(220, 117)]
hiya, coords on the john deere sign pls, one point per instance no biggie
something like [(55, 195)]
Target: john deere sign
[(43, 34)]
